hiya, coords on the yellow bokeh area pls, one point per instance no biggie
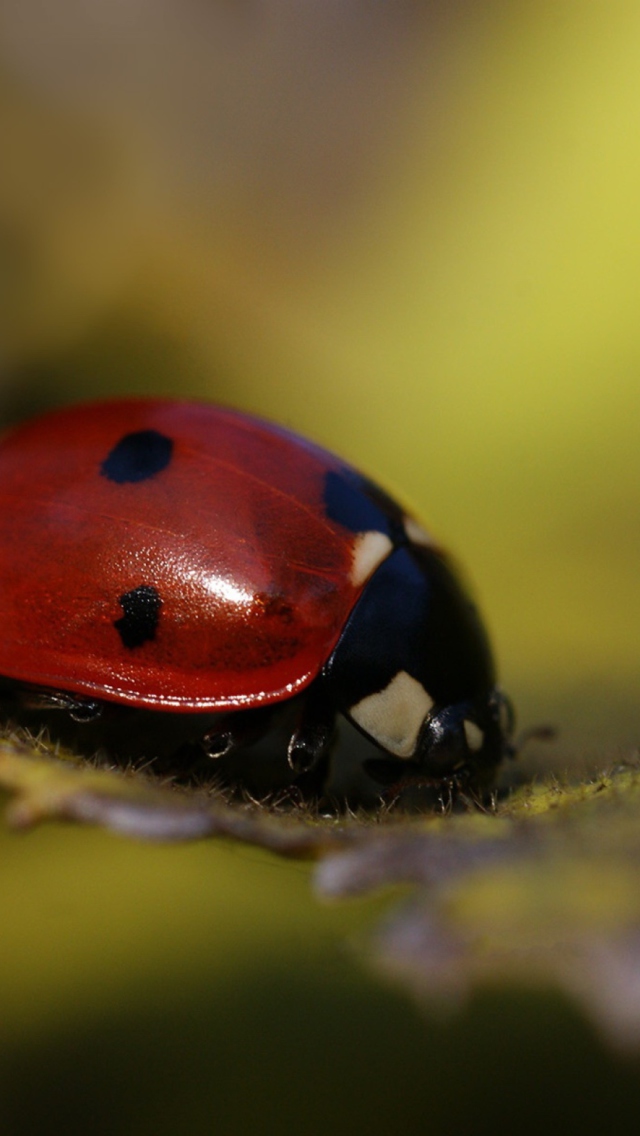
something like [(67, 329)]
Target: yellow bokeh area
[(418, 242)]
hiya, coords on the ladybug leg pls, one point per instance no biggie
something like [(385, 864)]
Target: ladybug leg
[(312, 737), (234, 731), (78, 708)]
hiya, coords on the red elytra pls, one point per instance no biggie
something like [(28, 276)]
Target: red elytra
[(253, 579)]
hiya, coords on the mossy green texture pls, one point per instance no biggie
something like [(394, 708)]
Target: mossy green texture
[(541, 886)]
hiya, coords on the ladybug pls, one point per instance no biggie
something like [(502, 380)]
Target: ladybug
[(180, 556)]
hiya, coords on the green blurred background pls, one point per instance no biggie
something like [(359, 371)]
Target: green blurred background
[(411, 232)]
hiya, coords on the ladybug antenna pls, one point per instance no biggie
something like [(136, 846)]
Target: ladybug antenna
[(543, 732)]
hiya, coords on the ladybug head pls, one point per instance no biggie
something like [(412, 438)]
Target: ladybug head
[(460, 742), (466, 737)]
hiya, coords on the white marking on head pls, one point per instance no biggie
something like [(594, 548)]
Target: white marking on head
[(394, 716), (474, 735), (369, 550), (416, 533)]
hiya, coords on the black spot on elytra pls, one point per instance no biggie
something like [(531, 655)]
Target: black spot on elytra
[(138, 456), (360, 506), (141, 609)]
